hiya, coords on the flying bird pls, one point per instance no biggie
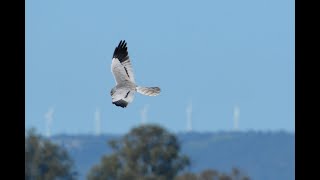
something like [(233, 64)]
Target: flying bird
[(123, 93)]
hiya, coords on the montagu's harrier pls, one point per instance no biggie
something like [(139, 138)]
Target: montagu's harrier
[(123, 93)]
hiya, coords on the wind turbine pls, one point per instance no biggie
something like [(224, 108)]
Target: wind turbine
[(189, 120), (236, 116), (143, 114), (97, 120), (49, 118)]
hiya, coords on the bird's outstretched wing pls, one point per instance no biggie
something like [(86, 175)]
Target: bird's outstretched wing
[(121, 65)]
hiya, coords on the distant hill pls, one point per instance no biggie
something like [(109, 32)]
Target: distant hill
[(262, 155)]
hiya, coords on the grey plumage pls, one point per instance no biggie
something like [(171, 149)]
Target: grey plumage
[(123, 93)]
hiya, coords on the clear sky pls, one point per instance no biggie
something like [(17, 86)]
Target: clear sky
[(219, 55)]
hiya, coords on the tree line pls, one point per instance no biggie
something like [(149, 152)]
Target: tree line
[(147, 152)]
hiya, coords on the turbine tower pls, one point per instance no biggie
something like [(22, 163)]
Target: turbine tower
[(49, 118), (236, 116), (143, 114), (189, 120), (97, 118)]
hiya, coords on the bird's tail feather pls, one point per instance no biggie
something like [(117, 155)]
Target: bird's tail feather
[(148, 91)]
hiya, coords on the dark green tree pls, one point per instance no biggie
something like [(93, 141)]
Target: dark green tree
[(187, 176), (147, 152), (236, 174), (211, 174), (45, 160)]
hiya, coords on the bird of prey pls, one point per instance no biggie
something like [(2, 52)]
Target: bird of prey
[(123, 93)]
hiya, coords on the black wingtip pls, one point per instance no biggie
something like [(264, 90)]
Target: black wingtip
[(121, 103), (121, 51)]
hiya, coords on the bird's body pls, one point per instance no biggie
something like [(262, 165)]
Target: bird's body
[(123, 93)]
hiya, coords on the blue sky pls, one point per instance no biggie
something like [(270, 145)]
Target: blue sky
[(215, 54)]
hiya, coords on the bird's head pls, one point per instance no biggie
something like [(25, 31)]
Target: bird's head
[(112, 91)]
